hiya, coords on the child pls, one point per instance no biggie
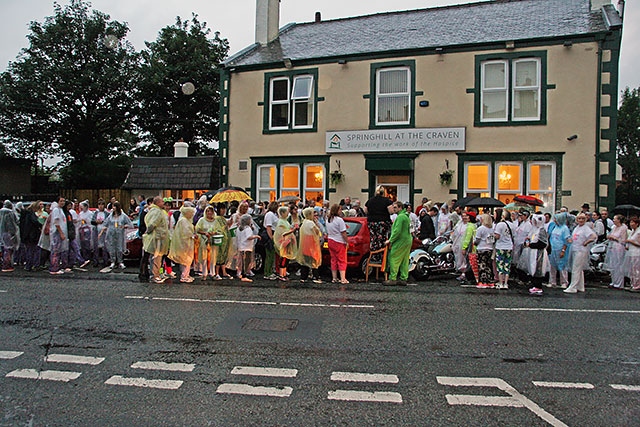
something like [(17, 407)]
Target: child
[(246, 240)]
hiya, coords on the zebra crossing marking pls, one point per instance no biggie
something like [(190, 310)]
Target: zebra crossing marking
[(32, 374)]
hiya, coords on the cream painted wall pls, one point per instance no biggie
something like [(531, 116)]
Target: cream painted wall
[(444, 80)]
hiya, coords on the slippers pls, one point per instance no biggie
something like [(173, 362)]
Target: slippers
[(335, 281), (344, 282)]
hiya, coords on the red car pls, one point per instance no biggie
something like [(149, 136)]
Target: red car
[(358, 236)]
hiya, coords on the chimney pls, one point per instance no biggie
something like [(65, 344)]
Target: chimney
[(267, 21), (318, 17), (597, 4), (181, 149)]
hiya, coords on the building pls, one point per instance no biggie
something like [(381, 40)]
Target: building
[(179, 177), (510, 96)]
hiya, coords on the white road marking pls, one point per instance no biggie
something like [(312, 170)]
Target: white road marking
[(162, 366), (515, 395), (212, 301), (568, 310), (254, 391), (552, 384), (365, 396), (32, 374), (2, 291), (10, 354), (143, 382), (70, 358), (625, 387), (264, 372), (365, 378), (462, 399)]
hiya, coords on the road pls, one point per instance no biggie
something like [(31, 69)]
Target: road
[(105, 350)]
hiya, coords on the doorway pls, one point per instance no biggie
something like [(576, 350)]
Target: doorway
[(396, 186)]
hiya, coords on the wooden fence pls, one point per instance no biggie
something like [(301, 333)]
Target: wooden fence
[(123, 196)]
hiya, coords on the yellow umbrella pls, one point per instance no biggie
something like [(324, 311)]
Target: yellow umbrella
[(229, 194)]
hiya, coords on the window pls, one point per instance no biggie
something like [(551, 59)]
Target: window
[(504, 179), (494, 91), (477, 179), (290, 180), (526, 89), (508, 181), (393, 92), (291, 101), (314, 183), (279, 104), (303, 177), (542, 183), (267, 182), (511, 89)]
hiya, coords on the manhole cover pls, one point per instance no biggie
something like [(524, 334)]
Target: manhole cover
[(270, 325)]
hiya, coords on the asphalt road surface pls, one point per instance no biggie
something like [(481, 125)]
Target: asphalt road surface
[(104, 350)]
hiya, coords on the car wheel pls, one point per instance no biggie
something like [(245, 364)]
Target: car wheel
[(258, 261), (363, 266)]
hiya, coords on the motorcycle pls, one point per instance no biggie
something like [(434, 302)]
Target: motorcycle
[(597, 254), (433, 257)]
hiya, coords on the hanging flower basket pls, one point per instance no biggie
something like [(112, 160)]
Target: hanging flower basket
[(446, 177), (336, 177)]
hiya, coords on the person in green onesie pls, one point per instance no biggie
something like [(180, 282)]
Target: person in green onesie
[(400, 241)]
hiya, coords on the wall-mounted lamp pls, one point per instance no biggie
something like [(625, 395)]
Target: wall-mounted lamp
[(232, 69), (439, 50), (424, 103), (572, 138), (342, 61), (510, 44), (287, 63), (567, 43)]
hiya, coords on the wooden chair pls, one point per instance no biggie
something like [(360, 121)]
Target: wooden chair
[(379, 266)]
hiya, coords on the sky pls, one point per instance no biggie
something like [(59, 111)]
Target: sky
[(235, 20)]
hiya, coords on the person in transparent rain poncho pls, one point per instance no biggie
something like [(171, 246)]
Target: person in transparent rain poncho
[(182, 247)]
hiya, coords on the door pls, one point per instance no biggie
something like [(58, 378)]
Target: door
[(396, 186)]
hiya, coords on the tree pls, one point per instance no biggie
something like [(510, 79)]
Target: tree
[(182, 56), (629, 145), (71, 93)]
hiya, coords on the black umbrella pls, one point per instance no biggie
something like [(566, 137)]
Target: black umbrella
[(463, 202), (626, 209), (485, 202)]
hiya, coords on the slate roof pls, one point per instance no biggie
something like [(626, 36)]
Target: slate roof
[(467, 24), (171, 173)]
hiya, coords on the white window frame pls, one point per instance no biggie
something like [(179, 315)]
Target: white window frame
[(273, 102), (305, 187), (466, 178), (262, 188), (497, 178), (553, 181), (307, 99), (281, 174), (504, 89), (394, 94), (515, 89)]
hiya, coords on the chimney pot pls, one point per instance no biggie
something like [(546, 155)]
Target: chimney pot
[(318, 17), (180, 149)]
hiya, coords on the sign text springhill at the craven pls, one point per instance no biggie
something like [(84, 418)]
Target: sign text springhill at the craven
[(425, 139)]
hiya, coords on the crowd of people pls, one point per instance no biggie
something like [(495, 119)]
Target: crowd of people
[(209, 241)]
